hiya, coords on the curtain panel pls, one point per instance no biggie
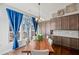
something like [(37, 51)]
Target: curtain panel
[(35, 24), (15, 21)]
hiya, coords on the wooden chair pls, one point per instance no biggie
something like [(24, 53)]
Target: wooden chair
[(50, 40)]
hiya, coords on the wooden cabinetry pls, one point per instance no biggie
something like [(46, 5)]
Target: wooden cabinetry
[(78, 43), (65, 41), (74, 43), (70, 22), (58, 23), (73, 22), (65, 23), (57, 40)]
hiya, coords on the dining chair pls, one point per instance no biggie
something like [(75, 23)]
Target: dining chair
[(50, 40), (40, 52)]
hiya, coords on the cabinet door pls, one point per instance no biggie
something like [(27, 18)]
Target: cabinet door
[(73, 43), (65, 41), (73, 22), (78, 43), (65, 23), (58, 23), (57, 40)]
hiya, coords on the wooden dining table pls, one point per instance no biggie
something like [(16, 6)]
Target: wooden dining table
[(38, 45)]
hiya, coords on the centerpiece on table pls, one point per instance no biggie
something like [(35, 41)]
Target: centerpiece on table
[(38, 37)]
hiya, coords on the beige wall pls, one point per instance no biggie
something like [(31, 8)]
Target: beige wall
[(4, 27)]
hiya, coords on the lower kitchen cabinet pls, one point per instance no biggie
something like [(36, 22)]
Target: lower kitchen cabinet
[(65, 41), (73, 43), (57, 40), (78, 43)]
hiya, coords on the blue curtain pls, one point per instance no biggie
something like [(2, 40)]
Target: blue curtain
[(35, 23), (15, 20)]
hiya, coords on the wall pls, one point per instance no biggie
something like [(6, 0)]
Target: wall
[(4, 27)]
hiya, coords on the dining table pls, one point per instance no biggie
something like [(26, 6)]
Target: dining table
[(38, 45)]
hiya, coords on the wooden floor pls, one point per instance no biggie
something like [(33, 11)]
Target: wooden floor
[(59, 50), (62, 50)]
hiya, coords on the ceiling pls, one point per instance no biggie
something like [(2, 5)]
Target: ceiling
[(46, 9)]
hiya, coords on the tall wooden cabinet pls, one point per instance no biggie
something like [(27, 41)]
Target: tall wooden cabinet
[(73, 22), (58, 23), (65, 23)]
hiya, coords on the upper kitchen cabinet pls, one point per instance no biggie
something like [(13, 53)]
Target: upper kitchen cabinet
[(65, 23), (58, 23), (73, 22)]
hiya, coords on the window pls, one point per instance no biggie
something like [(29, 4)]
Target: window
[(11, 36)]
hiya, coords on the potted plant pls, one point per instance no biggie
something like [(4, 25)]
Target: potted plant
[(38, 37)]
